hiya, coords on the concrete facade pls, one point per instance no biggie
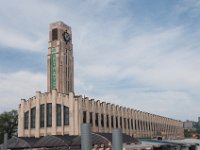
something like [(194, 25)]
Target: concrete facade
[(102, 116), (59, 111)]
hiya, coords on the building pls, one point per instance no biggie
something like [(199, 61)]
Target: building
[(60, 112), (189, 125)]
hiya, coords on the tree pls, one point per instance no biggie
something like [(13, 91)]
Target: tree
[(8, 124)]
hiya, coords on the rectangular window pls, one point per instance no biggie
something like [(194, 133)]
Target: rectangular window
[(102, 120), (107, 116), (128, 124), (112, 121), (66, 115), (124, 123), (121, 122), (49, 115), (33, 117), (91, 119), (116, 122), (135, 124), (84, 117), (96, 120), (58, 114), (42, 116), (26, 118), (132, 124), (54, 34)]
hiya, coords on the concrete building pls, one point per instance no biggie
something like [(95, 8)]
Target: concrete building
[(59, 111)]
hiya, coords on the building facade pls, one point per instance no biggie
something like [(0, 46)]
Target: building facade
[(59, 111)]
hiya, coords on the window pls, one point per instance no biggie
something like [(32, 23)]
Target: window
[(84, 117), (91, 119), (96, 119), (135, 124), (33, 117), (49, 115), (112, 122), (42, 116), (66, 115), (128, 124), (121, 122), (116, 122), (26, 118), (124, 123), (102, 120), (58, 114), (132, 124), (54, 34), (107, 120)]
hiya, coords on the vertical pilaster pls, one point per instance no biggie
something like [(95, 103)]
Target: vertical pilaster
[(37, 118), (54, 97)]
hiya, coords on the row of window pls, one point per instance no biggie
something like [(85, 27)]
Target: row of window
[(128, 123), (48, 111)]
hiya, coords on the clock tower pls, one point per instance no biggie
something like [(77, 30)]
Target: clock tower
[(60, 69)]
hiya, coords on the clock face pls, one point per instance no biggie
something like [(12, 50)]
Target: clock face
[(66, 37)]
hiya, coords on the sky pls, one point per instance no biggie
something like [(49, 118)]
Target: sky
[(140, 54)]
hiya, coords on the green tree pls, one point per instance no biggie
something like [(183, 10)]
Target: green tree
[(8, 124)]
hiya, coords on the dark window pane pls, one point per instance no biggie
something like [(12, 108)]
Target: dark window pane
[(135, 124), (54, 34), (42, 116), (84, 117), (49, 115), (58, 114), (91, 119), (66, 115), (128, 124), (124, 123), (120, 122), (102, 120), (112, 122), (116, 122), (107, 116), (33, 117), (132, 124), (26, 118), (96, 119)]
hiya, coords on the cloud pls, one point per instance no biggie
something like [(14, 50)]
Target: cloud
[(12, 39), (189, 6), (121, 54), (19, 85)]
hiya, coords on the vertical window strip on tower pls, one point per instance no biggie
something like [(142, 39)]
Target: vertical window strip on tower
[(42, 115), (49, 115), (33, 111), (58, 114), (66, 115), (53, 69), (26, 118)]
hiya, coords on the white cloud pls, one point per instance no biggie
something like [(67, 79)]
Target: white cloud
[(12, 39), (19, 85), (116, 58), (173, 104)]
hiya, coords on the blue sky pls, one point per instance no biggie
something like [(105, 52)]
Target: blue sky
[(137, 53)]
